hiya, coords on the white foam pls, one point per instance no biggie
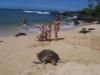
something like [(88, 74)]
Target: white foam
[(38, 12)]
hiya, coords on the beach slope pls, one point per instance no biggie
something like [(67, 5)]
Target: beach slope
[(79, 53)]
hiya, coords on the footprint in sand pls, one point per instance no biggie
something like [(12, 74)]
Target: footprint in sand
[(40, 44), (30, 73), (1, 41)]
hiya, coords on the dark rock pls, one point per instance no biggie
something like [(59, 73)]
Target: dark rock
[(48, 56), (84, 31), (87, 18), (20, 34), (76, 22), (98, 19)]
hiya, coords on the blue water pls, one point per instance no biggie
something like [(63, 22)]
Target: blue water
[(10, 19), (12, 16)]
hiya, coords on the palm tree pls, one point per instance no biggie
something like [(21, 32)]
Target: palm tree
[(98, 2), (90, 4)]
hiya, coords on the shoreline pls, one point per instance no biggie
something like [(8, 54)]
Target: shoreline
[(31, 30)]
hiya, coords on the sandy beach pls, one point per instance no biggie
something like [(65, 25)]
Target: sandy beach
[(79, 53)]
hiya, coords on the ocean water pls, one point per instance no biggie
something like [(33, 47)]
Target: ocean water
[(10, 19), (12, 16)]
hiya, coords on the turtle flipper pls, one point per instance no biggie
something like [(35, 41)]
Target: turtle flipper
[(36, 62), (54, 62)]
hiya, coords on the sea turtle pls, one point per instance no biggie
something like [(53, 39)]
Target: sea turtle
[(84, 31), (20, 34), (48, 56)]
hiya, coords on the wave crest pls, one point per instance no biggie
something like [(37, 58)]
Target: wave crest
[(38, 12)]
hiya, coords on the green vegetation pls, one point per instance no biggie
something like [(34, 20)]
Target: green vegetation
[(86, 11), (94, 12)]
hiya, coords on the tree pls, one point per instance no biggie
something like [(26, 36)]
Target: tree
[(85, 10), (98, 2), (92, 11), (90, 4), (96, 11)]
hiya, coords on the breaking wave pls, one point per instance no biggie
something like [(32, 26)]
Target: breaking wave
[(38, 12)]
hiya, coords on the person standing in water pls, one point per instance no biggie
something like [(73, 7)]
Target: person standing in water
[(24, 23), (56, 27)]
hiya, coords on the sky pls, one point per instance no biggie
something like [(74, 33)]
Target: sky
[(64, 5)]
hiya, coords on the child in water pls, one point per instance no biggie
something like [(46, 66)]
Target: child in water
[(24, 23)]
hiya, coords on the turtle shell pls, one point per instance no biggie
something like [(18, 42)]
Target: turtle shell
[(48, 56)]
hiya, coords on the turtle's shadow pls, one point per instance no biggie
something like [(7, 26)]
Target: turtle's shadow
[(36, 62), (58, 39)]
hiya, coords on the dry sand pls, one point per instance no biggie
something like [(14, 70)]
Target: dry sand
[(79, 53)]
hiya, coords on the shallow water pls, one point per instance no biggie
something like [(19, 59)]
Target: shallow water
[(10, 21)]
